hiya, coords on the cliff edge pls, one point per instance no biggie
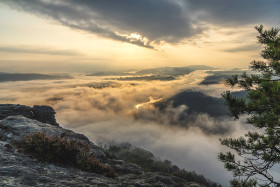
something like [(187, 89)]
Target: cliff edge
[(18, 169)]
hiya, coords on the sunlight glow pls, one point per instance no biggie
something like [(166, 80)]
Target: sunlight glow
[(152, 100)]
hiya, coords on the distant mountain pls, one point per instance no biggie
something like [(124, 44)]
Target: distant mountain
[(166, 71), (148, 78), (197, 102), (108, 73), (173, 71), (217, 77), (200, 67), (185, 108), (29, 76), (236, 69)]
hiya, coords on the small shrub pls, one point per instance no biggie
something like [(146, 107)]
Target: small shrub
[(62, 151)]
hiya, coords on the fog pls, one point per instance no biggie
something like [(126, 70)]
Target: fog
[(105, 110)]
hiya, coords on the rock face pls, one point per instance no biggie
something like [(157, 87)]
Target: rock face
[(14, 110), (44, 114), (17, 169)]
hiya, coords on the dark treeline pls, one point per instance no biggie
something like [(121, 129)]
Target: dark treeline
[(149, 163)]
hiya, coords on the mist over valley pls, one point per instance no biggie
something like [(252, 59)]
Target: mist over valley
[(179, 120)]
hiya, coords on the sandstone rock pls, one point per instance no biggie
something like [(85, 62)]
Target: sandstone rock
[(16, 169), (13, 110), (19, 170), (14, 128), (44, 114)]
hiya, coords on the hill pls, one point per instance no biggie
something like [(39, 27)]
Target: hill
[(160, 71), (197, 102), (4, 77)]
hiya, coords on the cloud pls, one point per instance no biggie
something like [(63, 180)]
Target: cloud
[(137, 22), (54, 65), (189, 149), (36, 50), (147, 23), (105, 110), (182, 116), (106, 97), (234, 13), (244, 48)]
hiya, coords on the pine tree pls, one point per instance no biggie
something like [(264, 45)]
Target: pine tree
[(258, 151)]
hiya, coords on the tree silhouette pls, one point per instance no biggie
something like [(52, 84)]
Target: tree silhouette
[(258, 152)]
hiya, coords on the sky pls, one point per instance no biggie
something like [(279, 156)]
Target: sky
[(94, 35)]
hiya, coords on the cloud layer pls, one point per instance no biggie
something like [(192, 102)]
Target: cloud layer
[(106, 111), (33, 50), (147, 23)]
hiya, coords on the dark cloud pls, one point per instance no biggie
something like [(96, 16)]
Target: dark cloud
[(156, 21), (238, 12), (34, 50), (161, 20)]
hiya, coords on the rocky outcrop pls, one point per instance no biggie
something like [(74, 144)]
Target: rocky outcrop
[(14, 110), (44, 114), (14, 128), (17, 169)]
